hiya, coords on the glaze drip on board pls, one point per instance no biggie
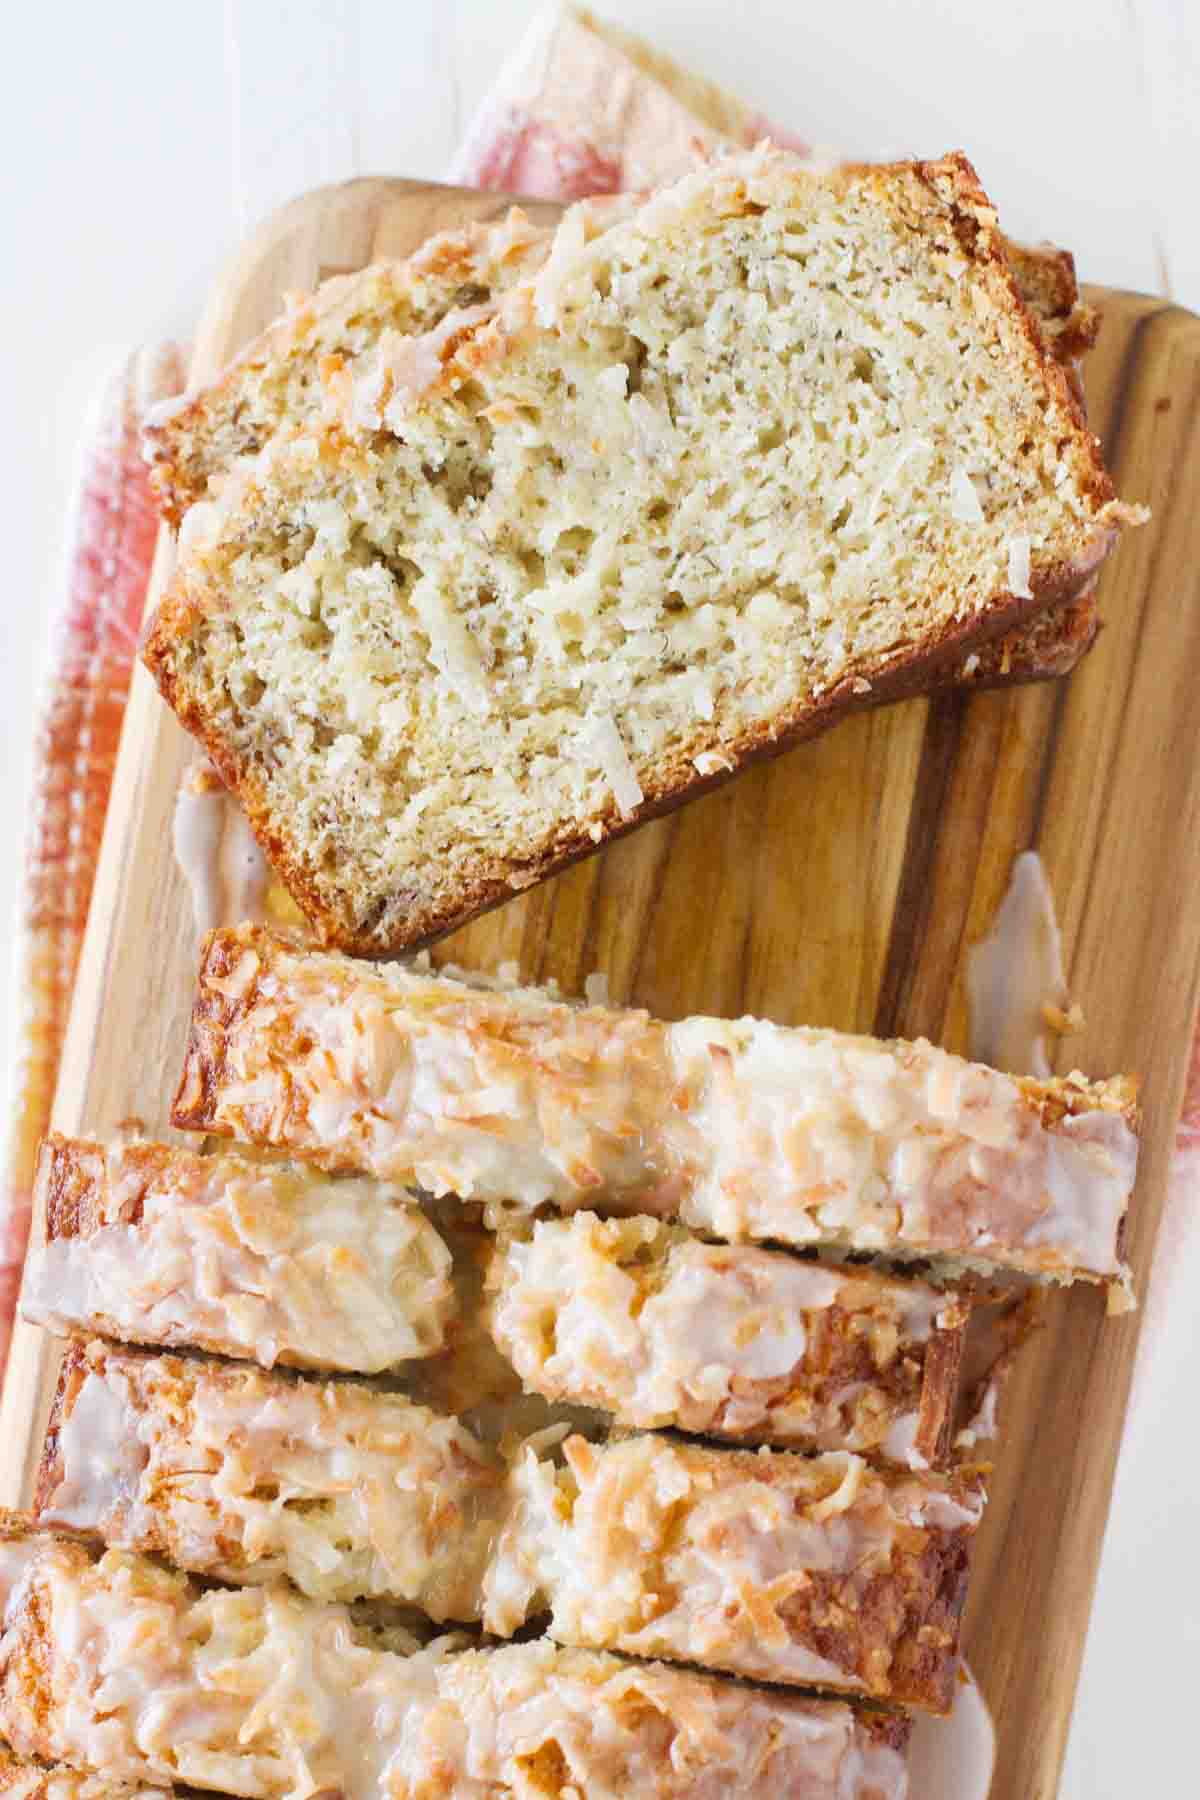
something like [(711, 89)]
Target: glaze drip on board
[(228, 877), (1016, 986)]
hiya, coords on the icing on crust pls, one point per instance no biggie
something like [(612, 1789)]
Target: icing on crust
[(815, 1571), (247, 1477)]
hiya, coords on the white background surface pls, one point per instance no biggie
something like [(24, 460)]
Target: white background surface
[(141, 140)]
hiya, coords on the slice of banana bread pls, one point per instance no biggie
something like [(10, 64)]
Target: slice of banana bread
[(291, 373), (246, 1477), (159, 1245), (645, 1321), (740, 1128), (112, 1663), (773, 445), (816, 1571)]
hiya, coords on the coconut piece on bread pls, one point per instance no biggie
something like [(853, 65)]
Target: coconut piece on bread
[(654, 1325)]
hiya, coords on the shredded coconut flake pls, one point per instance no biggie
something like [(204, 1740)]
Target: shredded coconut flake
[(604, 740), (570, 241), (906, 455), (1018, 568), (709, 762), (199, 523), (964, 501), (163, 411)]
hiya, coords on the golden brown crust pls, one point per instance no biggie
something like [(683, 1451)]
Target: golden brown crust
[(71, 1378), (1051, 647), (928, 1594), (75, 1192), (954, 177), (939, 1392)]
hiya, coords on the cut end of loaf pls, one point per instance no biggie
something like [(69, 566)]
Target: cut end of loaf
[(776, 445)]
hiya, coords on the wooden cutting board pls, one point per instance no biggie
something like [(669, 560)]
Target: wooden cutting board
[(839, 886)]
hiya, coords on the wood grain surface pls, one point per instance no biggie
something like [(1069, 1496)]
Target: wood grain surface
[(839, 886)]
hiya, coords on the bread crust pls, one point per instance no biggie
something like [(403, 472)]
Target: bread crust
[(71, 1377)]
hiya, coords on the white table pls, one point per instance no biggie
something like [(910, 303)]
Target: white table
[(143, 140)]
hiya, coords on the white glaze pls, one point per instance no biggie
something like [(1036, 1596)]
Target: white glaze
[(953, 1759), (1014, 972), (261, 1693), (247, 1259), (665, 1549), (633, 1316), (101, 1459), (346, 1492), (196, 831)]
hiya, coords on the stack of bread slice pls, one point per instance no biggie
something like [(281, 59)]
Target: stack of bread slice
[(489, 556), (770, 1487)]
